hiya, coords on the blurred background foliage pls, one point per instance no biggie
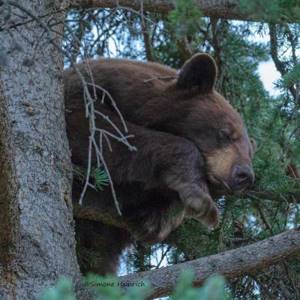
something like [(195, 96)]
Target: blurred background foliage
[(109, 288), (239, 47)]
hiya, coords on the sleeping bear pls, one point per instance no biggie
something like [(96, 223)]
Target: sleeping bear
[(187, 146)]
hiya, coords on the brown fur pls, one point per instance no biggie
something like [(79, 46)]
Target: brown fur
[(189, 139)]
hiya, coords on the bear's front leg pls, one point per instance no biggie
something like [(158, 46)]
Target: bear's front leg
[(163, 160), (176, 162), (153, 220), (199, 205), (192, 189)]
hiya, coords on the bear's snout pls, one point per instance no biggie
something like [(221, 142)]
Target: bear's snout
[(242, 177)]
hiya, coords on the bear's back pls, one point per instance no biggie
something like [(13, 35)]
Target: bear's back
[(130, 83)]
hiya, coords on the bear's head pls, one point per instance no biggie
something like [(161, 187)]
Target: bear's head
[(213, 125)]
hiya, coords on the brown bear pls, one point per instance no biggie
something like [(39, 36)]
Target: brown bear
[(190, 143)]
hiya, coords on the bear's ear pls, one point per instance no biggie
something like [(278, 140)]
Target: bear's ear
[(200, 72)]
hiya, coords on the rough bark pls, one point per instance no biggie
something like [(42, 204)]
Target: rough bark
[(37, 243), (231, 264)]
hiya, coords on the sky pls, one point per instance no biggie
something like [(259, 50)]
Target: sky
[(268, 75)]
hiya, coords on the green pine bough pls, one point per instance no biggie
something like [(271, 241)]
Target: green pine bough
[(110, 288)]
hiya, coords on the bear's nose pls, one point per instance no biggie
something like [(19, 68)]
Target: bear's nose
[(243, 176)]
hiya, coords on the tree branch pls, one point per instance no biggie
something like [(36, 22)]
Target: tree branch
[(231, 264), (88, 213), (280, 65), (220, 8), (226, 9), (291, 197)]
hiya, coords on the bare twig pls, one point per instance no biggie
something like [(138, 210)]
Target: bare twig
[(90, 109)]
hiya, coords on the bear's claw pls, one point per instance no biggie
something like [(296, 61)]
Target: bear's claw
[(199, 205)]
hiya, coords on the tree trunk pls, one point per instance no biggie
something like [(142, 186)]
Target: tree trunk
[(37, 243)]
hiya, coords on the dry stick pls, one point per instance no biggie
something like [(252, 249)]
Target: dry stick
[(90, 113), (113, 102), (87, 96), (122, 138), (88, 171), (231, 264), (102, 134), (163, 255), (92, 143), (110, 179)]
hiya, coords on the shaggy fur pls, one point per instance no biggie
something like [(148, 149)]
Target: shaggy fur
[(190, 140)]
